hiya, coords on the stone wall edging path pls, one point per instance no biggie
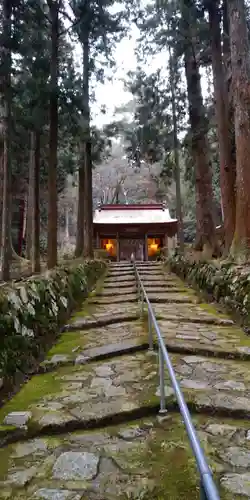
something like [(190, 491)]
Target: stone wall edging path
[(86, 425)]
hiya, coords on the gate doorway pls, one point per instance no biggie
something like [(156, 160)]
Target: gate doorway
[(135, 246)]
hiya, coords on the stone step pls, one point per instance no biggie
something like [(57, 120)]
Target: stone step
[(77, 459), (109, 378), (163, 284), (148, 264), (192, 312), (122, 269), (120, 299), (101, 390), (121, 276), (150, 272), (170, 297), (158, 277), (117, 274), (222, 339), (83, 356), (103, 319), (121, 264), (121, 284), (155, 289), (106, 292)]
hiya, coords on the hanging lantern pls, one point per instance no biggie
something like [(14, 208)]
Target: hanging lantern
[(109, 246), (154, 246)]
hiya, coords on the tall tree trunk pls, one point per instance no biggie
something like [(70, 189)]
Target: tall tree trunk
[(36, 267), (54, 6), (1, 177), (227, 163), (7, 188), (80, 209), (88, 202), (66, 211), (240, 61), (205, 225), (21, 225), (30, 208), (173, 72)]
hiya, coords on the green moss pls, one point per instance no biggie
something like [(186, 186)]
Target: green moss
[(210, 308), (35, 389), (87, 309), (6, 428), (68, 342), (167, 462), (5, 461), (230, 331), (161, 462)]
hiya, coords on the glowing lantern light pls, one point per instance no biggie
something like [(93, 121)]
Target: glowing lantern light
[(154, 246), (109, 246)]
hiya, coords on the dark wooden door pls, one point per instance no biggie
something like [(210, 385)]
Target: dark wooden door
[(132, 246)]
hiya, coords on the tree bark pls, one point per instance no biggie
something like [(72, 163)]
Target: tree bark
[(80, 209), (227, 163), (21, 226), (205, 226), (88, 202), (173, 72), (1, 176), (66, 212), (53, 135), (7, 188), (240, 61), (36, 267), (30, 207)]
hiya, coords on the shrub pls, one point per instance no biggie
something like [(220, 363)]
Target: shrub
[(32, 311), (227, 283)]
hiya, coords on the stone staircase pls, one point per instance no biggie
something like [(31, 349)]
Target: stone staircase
[(87, 425)]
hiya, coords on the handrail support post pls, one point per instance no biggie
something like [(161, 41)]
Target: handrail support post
[(203, 495), (162, 382), (150, 332), (142, 304)]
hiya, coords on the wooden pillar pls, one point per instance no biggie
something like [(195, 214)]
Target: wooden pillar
[(146, 247), (165, 245), (97, 240), (117, 248)]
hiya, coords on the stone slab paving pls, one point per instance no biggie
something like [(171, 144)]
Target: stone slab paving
[(213, 384), (84, 393), (121, 274), (116, 299), (215, 339), (121, 284), (114, 280), (156, 288), (165, 297), (114, 291), (92, 383), (201, 313), (102, 314), (90, 342), (80, 395), (148, 458)]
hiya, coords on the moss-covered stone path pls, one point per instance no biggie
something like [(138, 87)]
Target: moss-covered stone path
[(87, 425)]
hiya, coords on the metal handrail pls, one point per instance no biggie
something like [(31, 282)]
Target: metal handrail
[(208, 489)]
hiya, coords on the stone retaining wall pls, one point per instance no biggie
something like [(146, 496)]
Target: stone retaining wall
[(226, 283), (33, 310)]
